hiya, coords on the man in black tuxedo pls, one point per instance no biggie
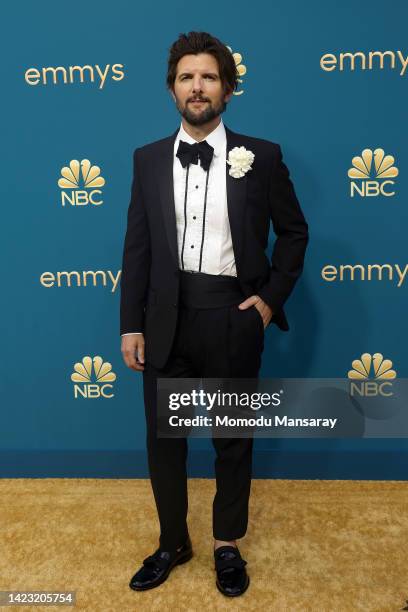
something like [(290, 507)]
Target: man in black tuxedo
[(197, 289)]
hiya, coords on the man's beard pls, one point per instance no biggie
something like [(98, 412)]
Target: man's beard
[(206, 115)]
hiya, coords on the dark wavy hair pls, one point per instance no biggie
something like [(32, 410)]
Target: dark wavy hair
[(202, 42)]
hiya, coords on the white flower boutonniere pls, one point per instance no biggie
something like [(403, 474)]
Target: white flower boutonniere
[(240, 160)]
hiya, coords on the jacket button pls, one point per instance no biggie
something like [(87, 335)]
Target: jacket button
[(175, 304)]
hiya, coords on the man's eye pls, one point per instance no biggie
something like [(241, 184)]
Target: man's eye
[(207, 76)]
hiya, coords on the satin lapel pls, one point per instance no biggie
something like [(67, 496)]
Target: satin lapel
[(166, 190), (236, 199)]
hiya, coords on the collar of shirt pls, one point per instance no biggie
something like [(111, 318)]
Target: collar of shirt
[(217, 138)]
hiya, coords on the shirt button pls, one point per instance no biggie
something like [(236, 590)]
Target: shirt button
[(192, 246), (196, 186), (194, 217)]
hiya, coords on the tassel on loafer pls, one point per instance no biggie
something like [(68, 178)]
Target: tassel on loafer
[(157, 567), (232, 578)]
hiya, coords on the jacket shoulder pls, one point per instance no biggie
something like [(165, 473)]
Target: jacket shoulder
[(266, 151), (260, 143)]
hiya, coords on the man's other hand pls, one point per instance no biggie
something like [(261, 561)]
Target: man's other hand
[(264, 310), (133, 347)]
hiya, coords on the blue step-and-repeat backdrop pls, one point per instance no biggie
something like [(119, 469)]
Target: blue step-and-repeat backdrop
[(83, 86)]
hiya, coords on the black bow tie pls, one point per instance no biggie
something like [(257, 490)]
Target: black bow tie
[(189, 153)]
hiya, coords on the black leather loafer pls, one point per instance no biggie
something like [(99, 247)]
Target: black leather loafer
[(157, 567), (232, 579)]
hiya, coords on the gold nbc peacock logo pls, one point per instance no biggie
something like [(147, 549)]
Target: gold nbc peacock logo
[(380, 367), (241, 69), (81, 183), (374, 171), (95, 377), (363, 165), (371, 376), (91, 175)]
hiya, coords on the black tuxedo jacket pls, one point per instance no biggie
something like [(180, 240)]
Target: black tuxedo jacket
[(150, 269)]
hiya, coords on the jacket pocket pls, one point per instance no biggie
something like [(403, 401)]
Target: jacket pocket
[(259, 317)]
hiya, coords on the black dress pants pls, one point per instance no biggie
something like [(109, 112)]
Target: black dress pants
[(209, 342)]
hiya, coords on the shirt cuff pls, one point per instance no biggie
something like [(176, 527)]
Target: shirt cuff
[(131, 333)]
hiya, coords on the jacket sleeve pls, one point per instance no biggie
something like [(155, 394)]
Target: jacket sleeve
[(292, 237), (136, 258)]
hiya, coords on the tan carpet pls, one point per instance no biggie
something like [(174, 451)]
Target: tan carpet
[(311, 545)]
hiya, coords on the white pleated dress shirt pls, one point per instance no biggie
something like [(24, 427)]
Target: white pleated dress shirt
[(218, 254)]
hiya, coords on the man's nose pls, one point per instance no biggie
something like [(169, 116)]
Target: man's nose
[(197, 84)]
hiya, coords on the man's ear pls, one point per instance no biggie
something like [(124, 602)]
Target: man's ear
[(172, 95), (228, 95)]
